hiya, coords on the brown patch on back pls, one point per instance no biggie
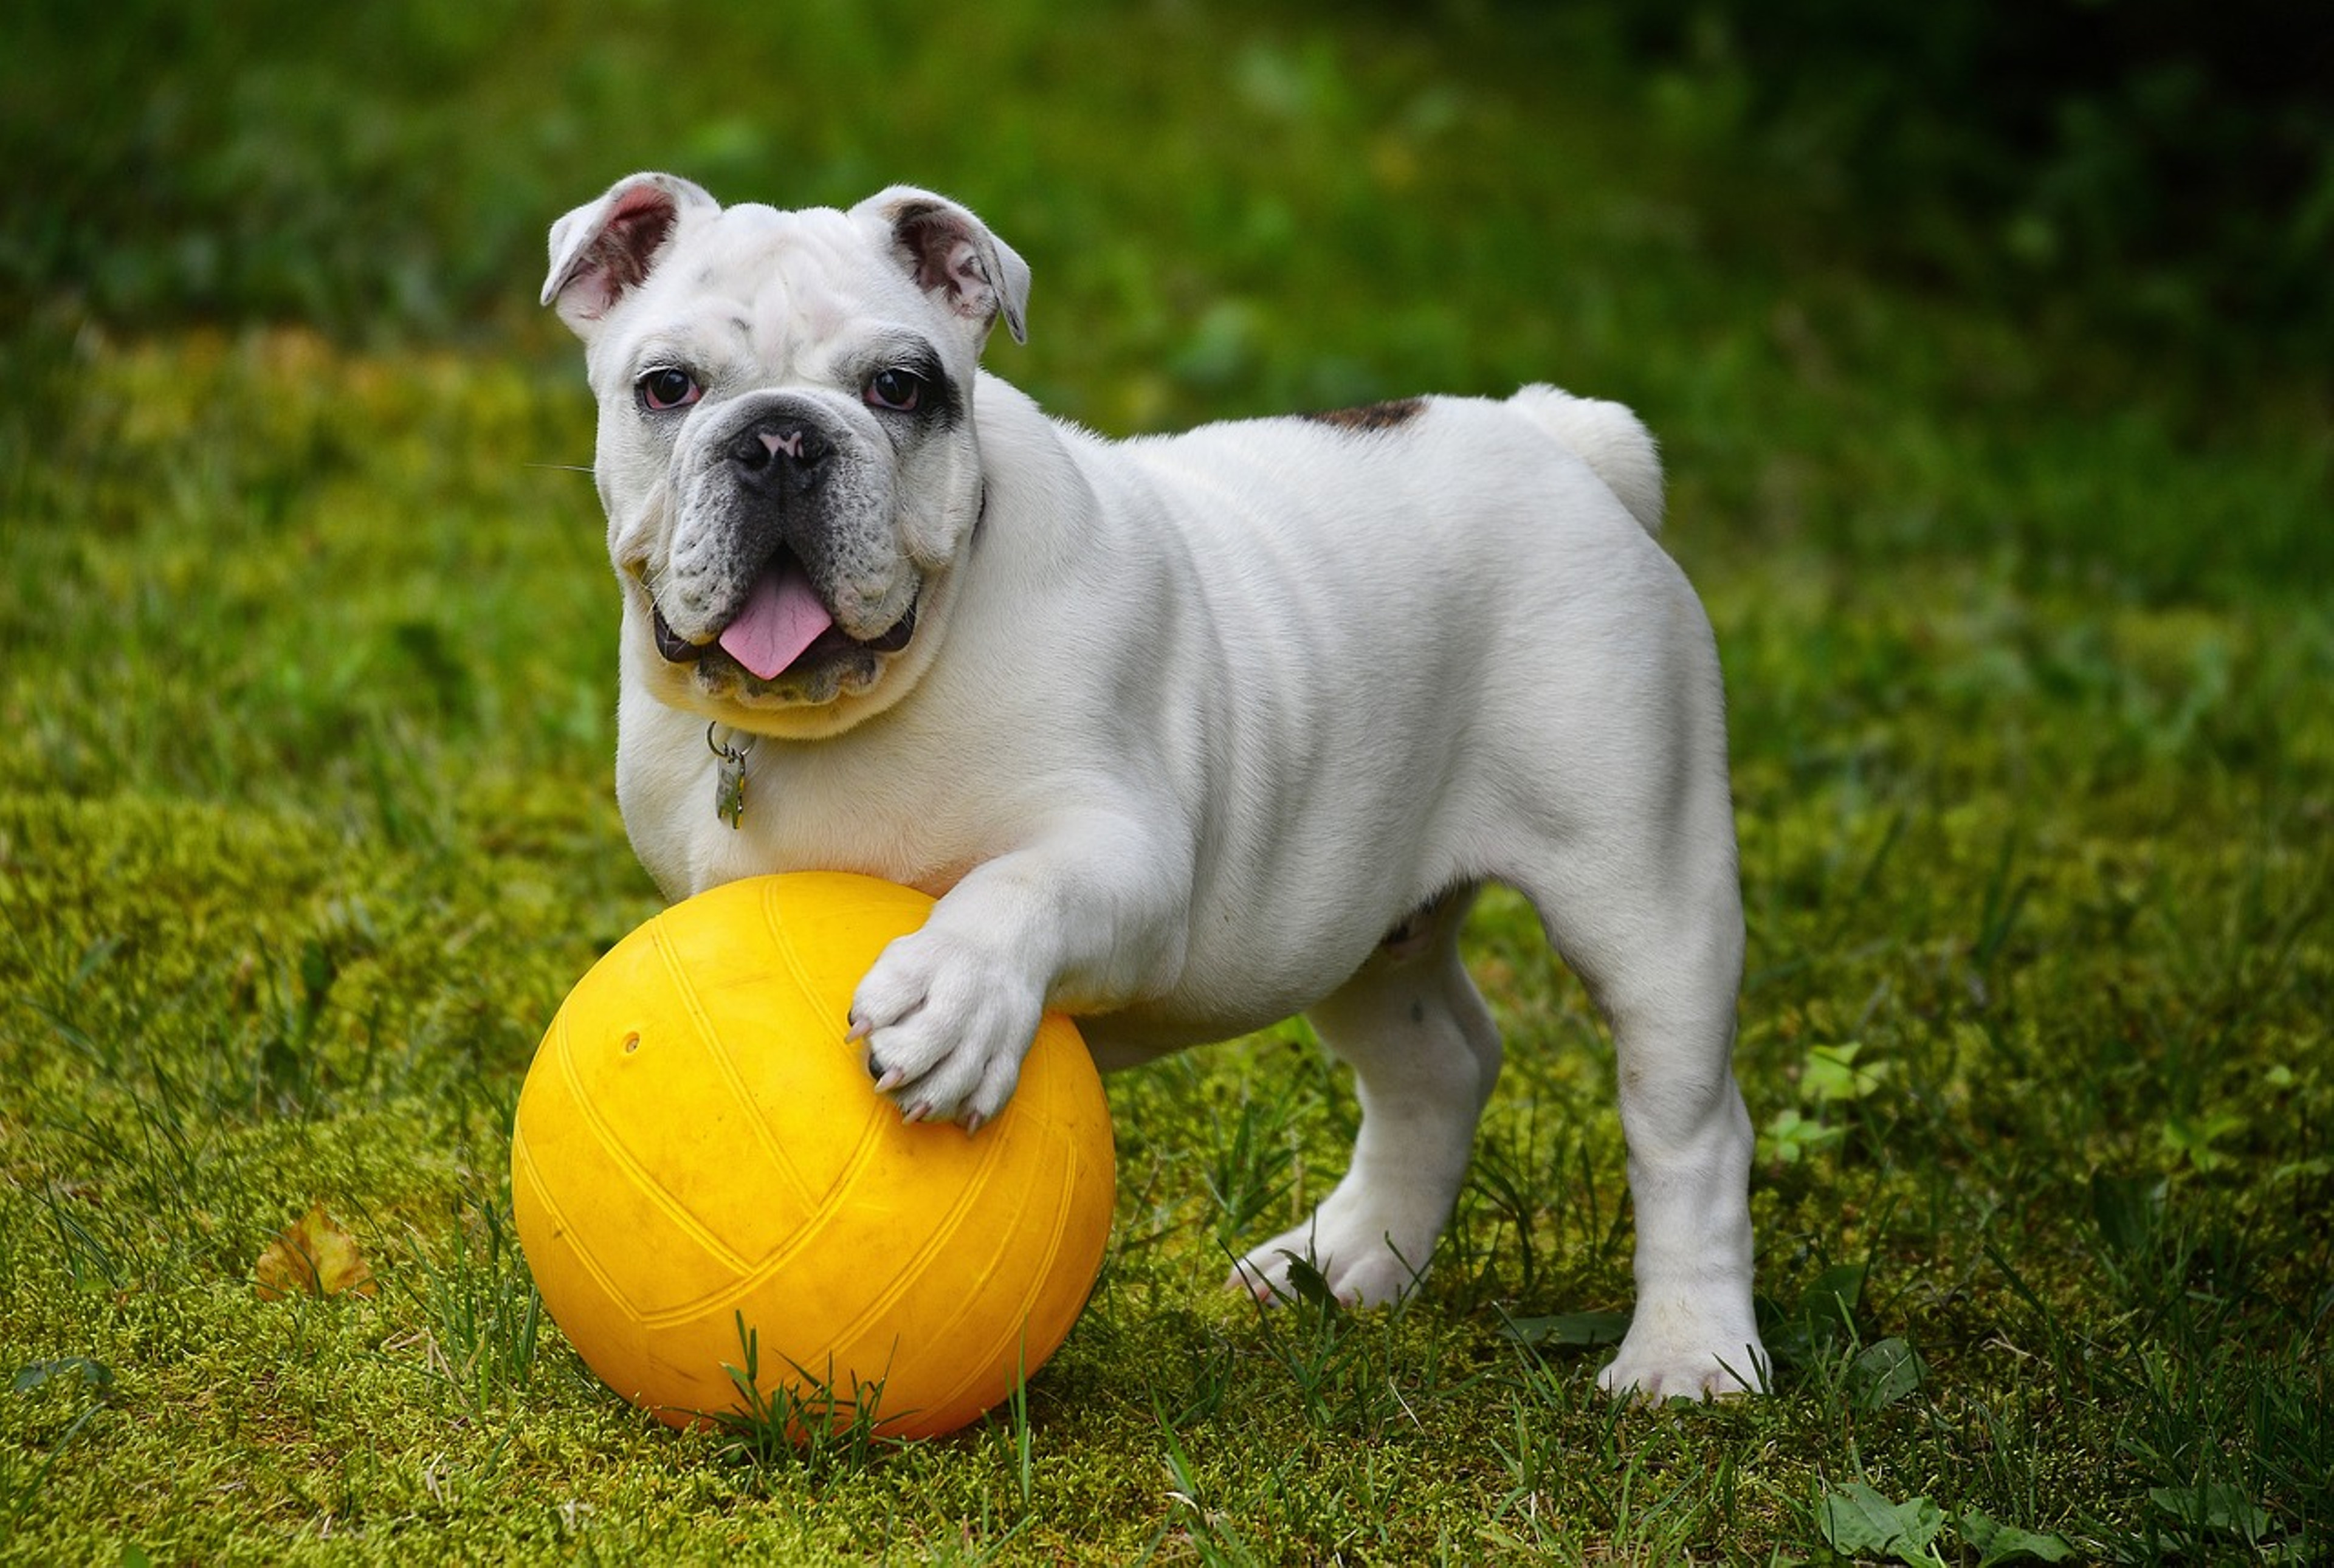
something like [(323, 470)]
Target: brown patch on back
[(1373, 416)]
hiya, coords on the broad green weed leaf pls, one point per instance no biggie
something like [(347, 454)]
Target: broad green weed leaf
[(1996, 1542), (1831, 1074), (1577, 1331), (1885, 1372), (1831, 1303), (1858, 1520), (2218, 1510), (95, 1376), (1790, 1136), (2193, 1138)]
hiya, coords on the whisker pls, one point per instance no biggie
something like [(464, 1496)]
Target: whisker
[(564, 468)]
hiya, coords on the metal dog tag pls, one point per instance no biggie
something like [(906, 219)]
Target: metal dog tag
[(728, 780)]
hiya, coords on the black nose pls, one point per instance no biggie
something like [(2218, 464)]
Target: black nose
[(778, 450)]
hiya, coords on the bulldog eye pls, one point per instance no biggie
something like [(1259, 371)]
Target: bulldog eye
[(903, 391), (667, 387)]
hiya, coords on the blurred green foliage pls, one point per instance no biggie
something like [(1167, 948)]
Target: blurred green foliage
[(2145, 163), (1231, 210), (2163, 166), (392, 167)]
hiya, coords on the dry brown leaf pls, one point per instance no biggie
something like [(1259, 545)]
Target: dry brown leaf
[(315, 1257)]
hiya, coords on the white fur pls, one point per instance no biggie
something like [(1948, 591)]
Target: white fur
[(1192, 724)]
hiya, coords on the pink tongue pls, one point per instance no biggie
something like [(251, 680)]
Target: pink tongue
[(781, 619)]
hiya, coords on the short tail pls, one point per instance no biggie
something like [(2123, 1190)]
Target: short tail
[(1610, 440)]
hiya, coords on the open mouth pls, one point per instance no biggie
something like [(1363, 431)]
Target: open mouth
[(782, 626)]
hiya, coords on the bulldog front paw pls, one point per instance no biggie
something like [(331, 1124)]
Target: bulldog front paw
[(946, 1024)]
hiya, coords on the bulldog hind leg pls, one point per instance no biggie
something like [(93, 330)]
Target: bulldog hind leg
[(1424, 1053), (1653, 928)]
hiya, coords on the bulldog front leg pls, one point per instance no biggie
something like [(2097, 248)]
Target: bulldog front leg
[(947, 1012)]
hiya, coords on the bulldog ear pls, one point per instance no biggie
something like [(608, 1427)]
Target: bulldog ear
[(951, 253), (602, 249)]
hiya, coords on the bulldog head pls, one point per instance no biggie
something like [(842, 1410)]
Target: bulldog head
[(786, 449)]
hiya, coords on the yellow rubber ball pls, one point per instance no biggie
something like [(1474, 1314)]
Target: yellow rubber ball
[(699, 1162)]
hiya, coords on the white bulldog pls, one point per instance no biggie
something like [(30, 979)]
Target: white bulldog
[(1186, 734)]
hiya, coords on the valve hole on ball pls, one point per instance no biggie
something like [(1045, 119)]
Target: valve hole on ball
[(631, 1042)]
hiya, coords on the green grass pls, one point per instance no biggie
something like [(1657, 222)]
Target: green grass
[(306, 675)]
